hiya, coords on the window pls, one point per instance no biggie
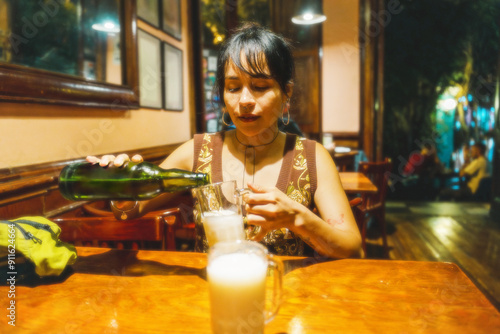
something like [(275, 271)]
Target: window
[(78, 52)]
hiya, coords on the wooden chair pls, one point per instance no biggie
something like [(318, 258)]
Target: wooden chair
[(106, 231), (355, 204), (172, 218), (374, 204), (101, 227)]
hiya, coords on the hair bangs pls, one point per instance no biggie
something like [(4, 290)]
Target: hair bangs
[(251, 59)]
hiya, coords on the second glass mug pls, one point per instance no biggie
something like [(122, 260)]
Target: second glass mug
[(218, 207), (236, 274)]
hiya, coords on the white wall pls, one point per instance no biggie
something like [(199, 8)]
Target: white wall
[(340, 67), (27, 138)]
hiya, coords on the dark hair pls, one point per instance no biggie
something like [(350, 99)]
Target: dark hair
[(481, 147), (260, 47)]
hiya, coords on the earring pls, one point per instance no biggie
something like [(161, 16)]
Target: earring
[(223, 117), (286, 109)]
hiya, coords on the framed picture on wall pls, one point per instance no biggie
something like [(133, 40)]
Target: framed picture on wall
[(171, 17), (172, 78), (149, 11), (150, 80)]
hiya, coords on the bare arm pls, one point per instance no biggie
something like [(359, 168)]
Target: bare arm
[(336, 232), (181, 158)]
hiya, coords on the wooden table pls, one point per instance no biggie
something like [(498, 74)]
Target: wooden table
[(125, 291), (356, 182)]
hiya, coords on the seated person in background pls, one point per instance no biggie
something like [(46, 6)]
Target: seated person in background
[(425, 163), (254, 85), (474, 172), (422, 172)]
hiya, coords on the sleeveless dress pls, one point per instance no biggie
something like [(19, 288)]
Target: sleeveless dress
[(297, 179)]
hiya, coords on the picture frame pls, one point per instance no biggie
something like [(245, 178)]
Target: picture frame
[(173, 97), (171, 22), (150, 69), (149, 12)]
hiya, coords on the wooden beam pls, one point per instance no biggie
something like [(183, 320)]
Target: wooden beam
[(372, 79)]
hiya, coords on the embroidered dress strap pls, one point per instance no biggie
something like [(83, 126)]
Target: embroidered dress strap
[(299, 186), (217, 144), (286, 165), (208, 154), (198, 141), (310, 148)]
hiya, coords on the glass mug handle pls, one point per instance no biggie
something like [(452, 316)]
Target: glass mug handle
[(239, 193), (276, 266)]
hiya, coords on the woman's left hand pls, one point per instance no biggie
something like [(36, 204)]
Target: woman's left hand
[(270, 209)]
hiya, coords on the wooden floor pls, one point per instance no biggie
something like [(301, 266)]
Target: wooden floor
[(462, 233)]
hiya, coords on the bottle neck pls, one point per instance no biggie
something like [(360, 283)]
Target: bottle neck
[(178, 179), (205, 179)]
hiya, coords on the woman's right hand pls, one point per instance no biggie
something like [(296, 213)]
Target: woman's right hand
[(111, 160), (121, 209)]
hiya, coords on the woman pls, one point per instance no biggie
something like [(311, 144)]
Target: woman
[(254, 83)]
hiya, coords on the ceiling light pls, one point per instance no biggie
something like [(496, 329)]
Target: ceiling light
[(309, 18), (107, 26)]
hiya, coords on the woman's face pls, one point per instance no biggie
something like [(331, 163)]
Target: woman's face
[(254, 103)]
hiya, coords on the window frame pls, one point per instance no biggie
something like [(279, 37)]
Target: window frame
[(25, 84)]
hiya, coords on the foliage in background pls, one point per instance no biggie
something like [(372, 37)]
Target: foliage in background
[(429, 46), (213, 21), (213, 16)]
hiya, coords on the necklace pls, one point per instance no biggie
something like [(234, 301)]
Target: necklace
[(252, 146)]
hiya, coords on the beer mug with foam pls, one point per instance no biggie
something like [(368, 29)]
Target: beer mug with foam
[(218, 206), (237, 275)]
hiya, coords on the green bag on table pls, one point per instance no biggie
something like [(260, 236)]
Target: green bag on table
[(29, 243)]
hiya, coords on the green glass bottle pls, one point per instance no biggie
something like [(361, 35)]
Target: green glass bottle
[(134, 181)]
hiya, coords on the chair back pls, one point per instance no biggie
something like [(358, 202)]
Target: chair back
[(103, 229), (377, 172)]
